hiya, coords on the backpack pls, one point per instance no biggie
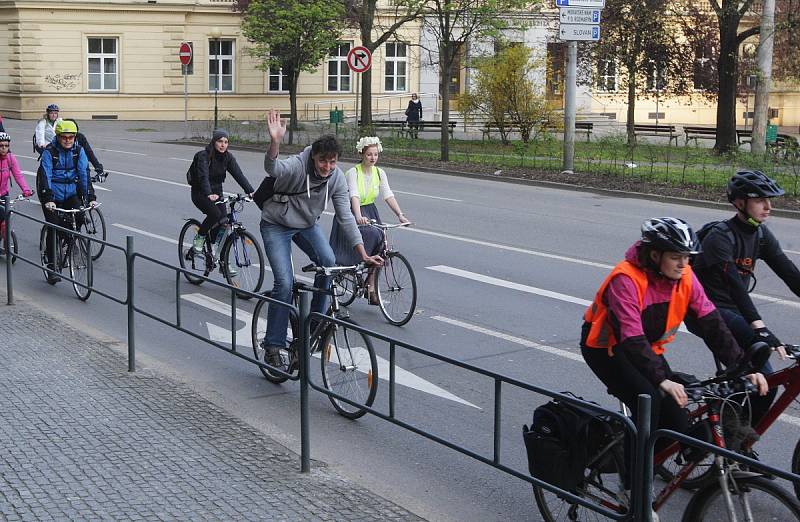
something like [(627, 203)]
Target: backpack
[(723, 226), (561, 440), (76, 151)]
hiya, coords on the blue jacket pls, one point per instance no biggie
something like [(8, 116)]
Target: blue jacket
[(60, 178)]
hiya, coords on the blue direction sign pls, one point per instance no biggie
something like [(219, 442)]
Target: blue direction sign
[(575, 15), (583, 32), (581, 3)]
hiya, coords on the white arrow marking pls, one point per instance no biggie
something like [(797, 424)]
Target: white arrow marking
[(402, 377), (29, 173)]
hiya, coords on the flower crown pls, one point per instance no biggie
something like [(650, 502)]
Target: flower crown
[(366, 141)]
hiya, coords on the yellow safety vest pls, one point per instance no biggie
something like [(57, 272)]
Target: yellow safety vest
[(367, 195)]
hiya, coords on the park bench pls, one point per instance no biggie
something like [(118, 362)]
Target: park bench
[(397, 127), (580, 127), (648, 129), (434, 126), (699, 133), (401, 128), (785, 146)]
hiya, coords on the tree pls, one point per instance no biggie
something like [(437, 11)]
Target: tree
[(364, 14), (451, 25), (786, 59), (652, 58), (504, 93), (294, 35)]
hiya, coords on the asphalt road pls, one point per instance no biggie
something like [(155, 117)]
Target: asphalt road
[(504, 273)]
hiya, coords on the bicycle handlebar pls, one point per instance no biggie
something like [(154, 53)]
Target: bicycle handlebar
[(713, 389), (76, 210), (333, 270), (236, 198), (385, 226)]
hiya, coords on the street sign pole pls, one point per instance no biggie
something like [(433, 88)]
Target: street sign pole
[(569, 108), (185, 102)]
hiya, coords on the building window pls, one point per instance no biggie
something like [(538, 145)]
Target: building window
[(607, 75), (703, 77), (656, 76), (278, 81), (396, 67), (338, 72), (220, 65), (102, 64)]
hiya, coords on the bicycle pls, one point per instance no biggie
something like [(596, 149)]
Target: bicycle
[(94, 223), (605, 477), (395, 282), (72, 252), (348, 362), (789, 378), (240, 260), (14, 244)]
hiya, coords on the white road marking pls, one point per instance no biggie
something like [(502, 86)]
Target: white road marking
[(791, 251), (125, 152), (220, 334), (427, 196), (182, 159), (168, 182), (547, 349), (96, 187)]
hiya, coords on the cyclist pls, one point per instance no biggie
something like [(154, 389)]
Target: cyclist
[(46, 129), (638, 310), (9, 167), (730, 251), (365, 183), (303, 185), (63, 181), (83, 141), (206, 175)]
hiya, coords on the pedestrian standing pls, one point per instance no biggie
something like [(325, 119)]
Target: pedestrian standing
[(414, 115)]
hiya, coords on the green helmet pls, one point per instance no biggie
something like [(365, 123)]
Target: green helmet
[(66, 127)]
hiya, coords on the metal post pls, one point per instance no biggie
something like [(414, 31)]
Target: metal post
[(216, 78), (185, 101), (7, 241), (642, 486), (570, 89), (305, 363), (131, 318)]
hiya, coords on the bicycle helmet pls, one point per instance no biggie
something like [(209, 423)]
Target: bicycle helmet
[(66, 127), (752, 184), (670, 234), (52, 108), (4, 136)]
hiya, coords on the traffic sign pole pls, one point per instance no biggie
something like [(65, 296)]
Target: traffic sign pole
[(569, 108)]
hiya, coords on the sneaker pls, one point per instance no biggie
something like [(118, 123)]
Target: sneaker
[(272, 356), (197, 244), (52, 277)]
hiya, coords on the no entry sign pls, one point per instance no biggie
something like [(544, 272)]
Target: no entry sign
[(359, 59), (185, 53)]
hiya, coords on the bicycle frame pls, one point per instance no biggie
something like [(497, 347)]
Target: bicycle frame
[(789, 378)]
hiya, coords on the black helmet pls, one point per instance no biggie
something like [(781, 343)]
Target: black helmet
[(52, 108), (670, 234), (752, 184)]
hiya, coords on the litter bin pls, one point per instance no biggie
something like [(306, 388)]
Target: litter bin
[(772, 133)]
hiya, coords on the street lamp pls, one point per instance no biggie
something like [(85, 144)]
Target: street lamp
[(215, 34)]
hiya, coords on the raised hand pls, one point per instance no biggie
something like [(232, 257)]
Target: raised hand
[(276, 126)]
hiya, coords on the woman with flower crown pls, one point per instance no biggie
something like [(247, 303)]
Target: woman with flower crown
[(366, 183)]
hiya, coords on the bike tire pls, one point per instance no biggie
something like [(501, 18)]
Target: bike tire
[(95, 226), (606, 491), (344, 355), (772, 503), (397, 289), (258, 330), (796, 467), (242, 251), (14, 248), (79, 259), (42, 250), (187, 257), (348, 287)]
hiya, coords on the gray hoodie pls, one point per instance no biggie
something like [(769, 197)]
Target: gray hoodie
[(305, 195)]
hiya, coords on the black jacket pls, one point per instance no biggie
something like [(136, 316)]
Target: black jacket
[(209, 169)]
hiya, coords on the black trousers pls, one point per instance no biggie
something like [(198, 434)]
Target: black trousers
[(625, 382), (215, 214), (57, 218)]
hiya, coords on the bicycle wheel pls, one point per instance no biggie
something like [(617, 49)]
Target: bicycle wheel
[(258, 331), (79, 259), (602, 485), (703, 473), (348, 285), (397, 289), (754, 498), (242, 262), (349, 368), (95, 226), (14, 248), (796, 467), (189, 259), (42, 250)]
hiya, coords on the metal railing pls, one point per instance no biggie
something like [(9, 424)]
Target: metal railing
[(382, 105)]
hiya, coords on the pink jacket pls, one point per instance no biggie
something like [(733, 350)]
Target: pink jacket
[(9, 166)]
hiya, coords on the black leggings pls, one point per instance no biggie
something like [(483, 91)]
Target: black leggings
[(57, 218), (625, 382), (215, 214)]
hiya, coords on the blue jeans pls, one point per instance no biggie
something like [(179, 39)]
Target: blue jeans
[(278, 247)]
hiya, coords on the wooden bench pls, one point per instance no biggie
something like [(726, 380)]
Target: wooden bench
[(661, 131), (402, 128), (785, 145), (398, 127), (422, 126), (699, 133), (580, 126)]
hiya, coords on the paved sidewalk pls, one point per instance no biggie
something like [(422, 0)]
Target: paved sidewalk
[(82, 439)]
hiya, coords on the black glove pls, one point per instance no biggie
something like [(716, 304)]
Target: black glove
[(764, 335)]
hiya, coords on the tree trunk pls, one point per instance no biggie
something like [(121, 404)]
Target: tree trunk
[(444, 91), (728, 79), (366, 97), (630, 117), (293, 106)]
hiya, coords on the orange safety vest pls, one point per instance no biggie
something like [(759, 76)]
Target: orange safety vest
[(601, 334)]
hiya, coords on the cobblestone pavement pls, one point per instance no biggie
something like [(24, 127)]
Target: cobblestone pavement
[(82, 439)]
